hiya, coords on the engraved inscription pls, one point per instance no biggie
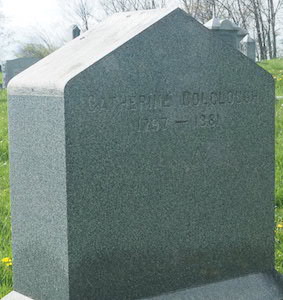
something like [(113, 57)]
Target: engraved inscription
[(181, 121), (217, 98), (207, 120), (149, 102), (163, 101), (158, 112), (152, 125), (96, 104)]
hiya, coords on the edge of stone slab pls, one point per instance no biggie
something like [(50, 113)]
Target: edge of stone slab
[(16, 296), (259, 286)]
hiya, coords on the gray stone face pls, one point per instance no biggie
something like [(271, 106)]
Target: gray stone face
[(142, 162), (11, 68)]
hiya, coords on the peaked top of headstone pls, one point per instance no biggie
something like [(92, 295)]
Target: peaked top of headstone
[(213, 23), (228, 25), (74, 26), (248, 39), (242, 32), (77, 55)]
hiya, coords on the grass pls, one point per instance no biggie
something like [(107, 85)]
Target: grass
[(279, 239), (279, 153), (273, 66), (5, 224)]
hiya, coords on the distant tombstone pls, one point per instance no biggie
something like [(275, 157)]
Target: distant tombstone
[(76, 31), (248, 47), (11, 68), (224, 29), (240, 35), (133, 167)]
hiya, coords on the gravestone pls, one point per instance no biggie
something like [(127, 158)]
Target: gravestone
[(248, 47), (225, 30), (142, 167), (240, 35), (75, 31), (11, 68)]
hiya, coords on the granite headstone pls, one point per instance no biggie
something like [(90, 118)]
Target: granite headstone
[(75, 31), (225, 30), (248, 47), (142, 165), (240, 35), (11, 68)]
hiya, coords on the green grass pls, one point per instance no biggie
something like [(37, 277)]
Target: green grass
[(5, 224), (279, 153), (279, 240), (273, 66)]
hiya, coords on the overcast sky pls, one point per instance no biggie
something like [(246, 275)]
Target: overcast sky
[(28, 12), (23, 15)]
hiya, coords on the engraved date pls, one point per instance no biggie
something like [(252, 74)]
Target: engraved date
[(207, 120), (152, 124)]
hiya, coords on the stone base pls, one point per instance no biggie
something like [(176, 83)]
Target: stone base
[(261, 286)]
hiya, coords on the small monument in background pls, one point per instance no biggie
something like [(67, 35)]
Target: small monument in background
[(75, 31), (234, 35), (224, 29), (240, 35), (11, 68), (248, 47)]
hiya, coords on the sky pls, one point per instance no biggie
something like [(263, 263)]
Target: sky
[(24, 18), (28, 12)]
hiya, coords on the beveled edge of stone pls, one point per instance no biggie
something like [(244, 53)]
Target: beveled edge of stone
[(15, 296)]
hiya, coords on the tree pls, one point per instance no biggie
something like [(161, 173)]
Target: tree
[(265, 13), (113, 6), (204, 10), (40, 44), (272, 14), (260, 15), (34, 50), (79, 12)]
